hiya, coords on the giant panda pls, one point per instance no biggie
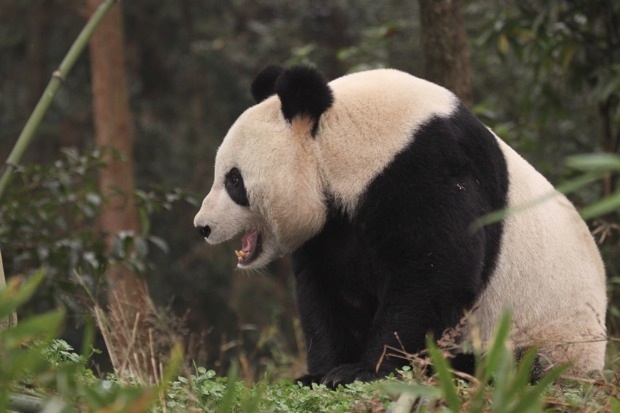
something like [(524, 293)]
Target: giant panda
[(372, 182)]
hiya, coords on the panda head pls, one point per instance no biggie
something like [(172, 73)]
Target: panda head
[(267, 183)]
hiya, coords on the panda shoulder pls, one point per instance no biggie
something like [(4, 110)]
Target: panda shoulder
[(396, 94)]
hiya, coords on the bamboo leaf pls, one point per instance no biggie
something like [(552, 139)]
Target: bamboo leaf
[(44, 326), (446, 378), (418, 390), (594, 162), (498, 347), (228, 399), (524, 373), (530, 398), (565, 188), (605, 205), (18, 292)]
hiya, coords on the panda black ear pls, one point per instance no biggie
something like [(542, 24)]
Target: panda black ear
[(264, 84), (303, 91)]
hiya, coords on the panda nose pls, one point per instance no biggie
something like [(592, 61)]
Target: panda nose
[(204, 231)]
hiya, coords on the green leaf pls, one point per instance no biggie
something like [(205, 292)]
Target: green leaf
[(15, 293), (605, 205), (446, 378), (145, 222), (565, 188), (498, 347), (524, 372), (228, 399), (418, 390), (503, 45), (173, 365), (531, 397), (43, 326), (594, 162)]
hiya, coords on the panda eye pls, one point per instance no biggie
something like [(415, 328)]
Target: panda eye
[(233, 182), (233, 178)]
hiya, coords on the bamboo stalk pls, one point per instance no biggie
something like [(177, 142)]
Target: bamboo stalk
[(11, 320), (58, 77)]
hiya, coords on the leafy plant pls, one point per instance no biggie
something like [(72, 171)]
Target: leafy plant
[(17, 359), (49, 220), (46, 221), (32, 360), (501, 384)]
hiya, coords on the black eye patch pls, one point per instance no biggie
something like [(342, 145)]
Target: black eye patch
[(233, 182)]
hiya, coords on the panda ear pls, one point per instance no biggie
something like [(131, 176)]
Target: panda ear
[(264, 84), (303, 91)]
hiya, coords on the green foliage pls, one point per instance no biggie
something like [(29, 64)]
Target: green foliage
[(569, 43), (500, 385), (205, 391), (600, 164), (48, 220), (563, 77), (31, 360), (17, 359)]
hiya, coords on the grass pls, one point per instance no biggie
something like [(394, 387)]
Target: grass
[(38, 372)]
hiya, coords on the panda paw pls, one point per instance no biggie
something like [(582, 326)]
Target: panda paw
[(348, 373)]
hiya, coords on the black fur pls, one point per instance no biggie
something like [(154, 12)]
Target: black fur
[(408, 263), (303, 92), (233, 182), (264, 84)]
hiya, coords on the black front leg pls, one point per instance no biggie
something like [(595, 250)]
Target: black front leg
[(335, 298), (402, 325), (336, 323), (409, 309)]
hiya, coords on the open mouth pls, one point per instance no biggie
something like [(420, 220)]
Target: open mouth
[(250, 247)]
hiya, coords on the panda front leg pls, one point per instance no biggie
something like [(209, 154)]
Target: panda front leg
[(347, 324), (335, 302), (423, 286), (335, 323), (406, 314)]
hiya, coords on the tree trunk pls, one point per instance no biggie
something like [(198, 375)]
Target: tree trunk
[(444, 40), (128, 298)]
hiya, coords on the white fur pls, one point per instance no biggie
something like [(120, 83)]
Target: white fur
[(549, 274)]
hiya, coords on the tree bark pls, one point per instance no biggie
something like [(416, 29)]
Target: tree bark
[(128, 297), (444, 40)]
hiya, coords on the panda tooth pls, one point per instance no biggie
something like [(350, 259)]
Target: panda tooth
[(240, 255)]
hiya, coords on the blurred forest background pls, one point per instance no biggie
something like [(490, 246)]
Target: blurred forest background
[(544, 74)]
